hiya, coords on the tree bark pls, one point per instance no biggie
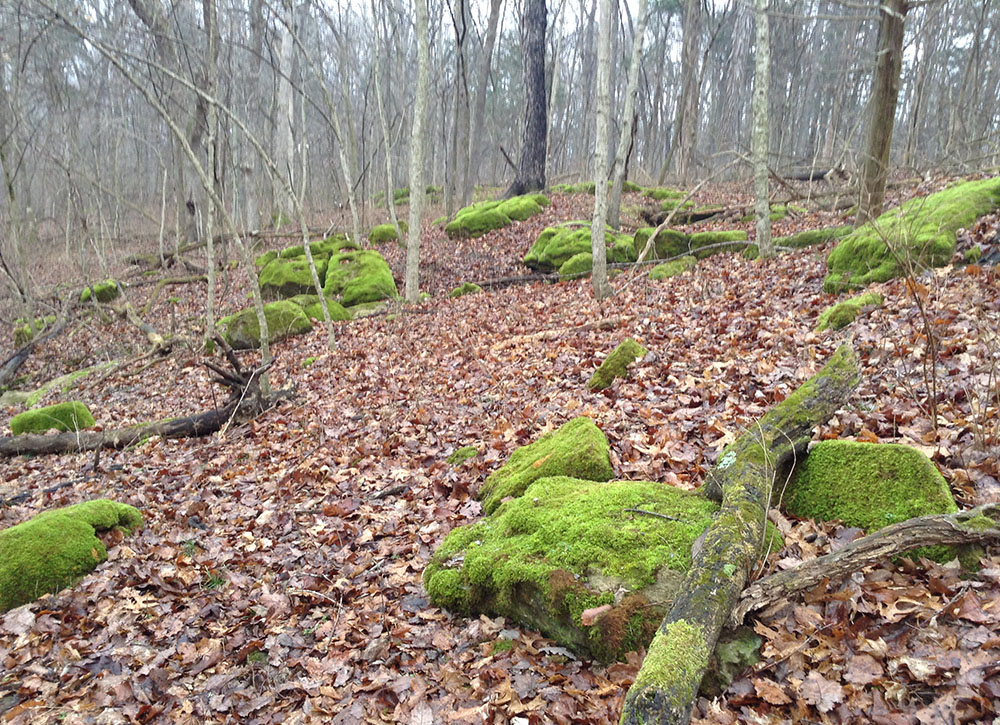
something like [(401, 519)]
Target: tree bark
[(412, 283), (666, 685), (762, 130), (475, 151), (531, 165), (598, 246), (686, 117), (885, 92)]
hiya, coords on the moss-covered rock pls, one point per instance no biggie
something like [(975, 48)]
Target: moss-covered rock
[(868, 486), (310, 304), (556, 245), (290, 276), (844, 313), (359, 277), (468, 288), (668, 243), (920, 232), (616, 364), (577, 449), (579, 265), (323, 248), (387, 232), (262, 260), (22, 330), (485, 216), (69, 416), (461, 455), (102, 291), (284, 319), (674, 268), (660, 194), (55, 549), (699, 240), (567, 545)]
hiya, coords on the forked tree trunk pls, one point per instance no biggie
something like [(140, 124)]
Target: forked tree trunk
[(667, 684)]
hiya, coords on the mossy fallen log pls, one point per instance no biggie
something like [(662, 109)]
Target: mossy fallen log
[(667, 684)]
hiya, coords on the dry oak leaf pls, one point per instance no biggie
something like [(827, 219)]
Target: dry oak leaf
[(821, 693), (770, 691), (863, 670)]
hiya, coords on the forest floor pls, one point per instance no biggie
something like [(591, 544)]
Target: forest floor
[(274, 582)]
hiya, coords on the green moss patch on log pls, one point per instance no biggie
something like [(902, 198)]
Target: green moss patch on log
[(468, 288), (63, 417), (677, 653), (102, 291), (577, 449), (919, 233), (842, 314), (284, 319), (616, 364), (674, 268), (673, 243), (55, 549), (565, 546), (557, 244), (869, 486), (354, 278), (383, 233)]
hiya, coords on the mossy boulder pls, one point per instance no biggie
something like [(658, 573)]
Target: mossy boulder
[(290, 276), (359, 277), (577, 449), (55, 549), (662, 193), (844, 313), (699, 240), (322, 248), (869, 486), (568, 545), (579, 265), (69, 416), (556, 245), (616, 364), (469, 288), (102, 291), (262, 260), (674, 268), (383, 233), (920, 232), (668, 243), (461, 455), (22, 330), (485, 216), (310, 304), (284, 319)]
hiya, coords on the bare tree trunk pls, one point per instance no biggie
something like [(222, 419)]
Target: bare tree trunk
[(885, 91), (211, 31), (284, 143), (628, 119), (762, 129), (390, 202), (412, 283), (598, 245), (475, 152), (531, 166), (686, 117)]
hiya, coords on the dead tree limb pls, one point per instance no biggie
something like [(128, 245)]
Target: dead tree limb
[(10, 366), (965, 527), (667, 684)]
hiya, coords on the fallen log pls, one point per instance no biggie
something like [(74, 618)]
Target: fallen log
[(979, 524), (10, 366), (667, 683)]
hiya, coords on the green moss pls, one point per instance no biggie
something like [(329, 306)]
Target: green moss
[(672, 269), (261, 261), (290, 276), (55, 549), (310, 304), (485, 216), (358, 277), (659, 194), (556, 245), (844, 313), (584, 187), (284, 319), (521, 208), (672, 204), (677, 654), (468, 288), (102, 291), (616, 364), (501, 645), (669, 243), (579, 265), (705, 239), (22, 330), (734, 652), (567, 545), (386, 232), (308, 362), (577, 449), (869, 486), (440, 221), (921, 231), (69, 416), (973, 255), (461, 455)]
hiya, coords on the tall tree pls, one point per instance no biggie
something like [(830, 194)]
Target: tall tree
[(474, 156), (531, 165), (598, 244), (882, 104), (762, 129), (686, 116), (412, 282)]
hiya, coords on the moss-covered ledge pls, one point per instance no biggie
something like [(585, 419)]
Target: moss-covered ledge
[(665, 691)]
